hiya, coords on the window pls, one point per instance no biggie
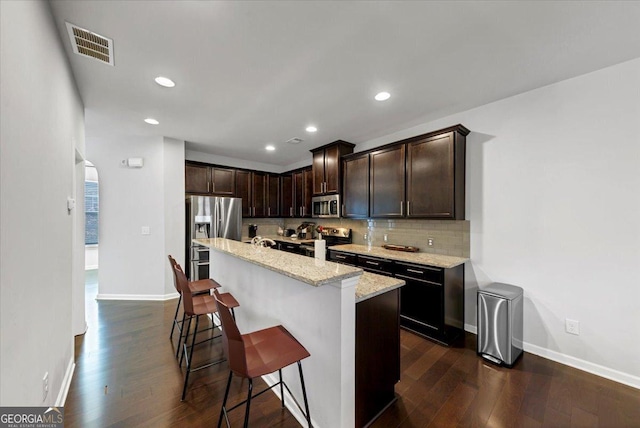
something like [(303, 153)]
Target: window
[(91, 208)]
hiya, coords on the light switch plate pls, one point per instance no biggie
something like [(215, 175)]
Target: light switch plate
[(146, 230)]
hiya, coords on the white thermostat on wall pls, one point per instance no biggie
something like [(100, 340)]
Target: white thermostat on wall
[(135, 162)]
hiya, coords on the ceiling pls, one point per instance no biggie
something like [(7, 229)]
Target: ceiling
[(250, 74)]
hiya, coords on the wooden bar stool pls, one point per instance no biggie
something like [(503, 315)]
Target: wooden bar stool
[(198, 289), (204, 305), (256, 354)]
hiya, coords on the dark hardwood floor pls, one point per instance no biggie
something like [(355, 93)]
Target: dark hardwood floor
[(126, 375)]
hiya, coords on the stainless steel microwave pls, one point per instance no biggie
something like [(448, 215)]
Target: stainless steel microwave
[(326, 206)]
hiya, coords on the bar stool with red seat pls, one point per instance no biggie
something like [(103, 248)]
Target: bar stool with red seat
[(204, 305), (198, 288), (256, 354)]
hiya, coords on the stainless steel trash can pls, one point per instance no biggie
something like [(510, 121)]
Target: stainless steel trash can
[(500, 323)]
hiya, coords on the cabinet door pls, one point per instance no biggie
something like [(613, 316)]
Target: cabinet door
[(273, 195), (223, 181), (332, 169), (258, 189), (197, 178), (287, 205), (307, 179), (387, 167), (421, 307), (318, 172), (430, 177), (355, 192), (243, 190), (298, 193)]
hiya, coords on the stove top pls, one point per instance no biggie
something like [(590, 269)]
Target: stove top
[(336, 235)]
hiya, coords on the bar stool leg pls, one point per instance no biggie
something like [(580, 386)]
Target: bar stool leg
[(224, 402), (175, 317), (246, 412), (189, 357), (179, 347), (304, 394), (184, 343), (281, 387)]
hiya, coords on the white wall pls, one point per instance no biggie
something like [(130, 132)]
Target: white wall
[(553, 196), (132, 265), (42, 125)]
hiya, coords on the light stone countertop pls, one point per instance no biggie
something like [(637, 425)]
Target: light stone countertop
[(281, 239), (305, 269), (403, 256), (371, 285)]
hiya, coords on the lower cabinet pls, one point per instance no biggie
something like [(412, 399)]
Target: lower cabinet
[(431, 301)]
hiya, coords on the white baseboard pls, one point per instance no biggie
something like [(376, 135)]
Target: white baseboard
[(576, 363), (66, 383), (150, 297)]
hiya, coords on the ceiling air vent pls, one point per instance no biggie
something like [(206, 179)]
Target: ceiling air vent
[(90, 44), (294, 141)]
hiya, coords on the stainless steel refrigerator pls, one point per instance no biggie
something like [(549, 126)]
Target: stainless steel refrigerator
[(209, 217)]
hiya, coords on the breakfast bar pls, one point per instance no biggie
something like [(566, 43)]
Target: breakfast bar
[(347, 319)]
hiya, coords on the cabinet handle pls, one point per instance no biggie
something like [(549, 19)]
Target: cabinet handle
[(415, 271), (408, 208), (342, 210), (269, 212), (290, 211), (371, 263), (340, 257), (208, 187), (401, 208), (304, 209), (213, 187)]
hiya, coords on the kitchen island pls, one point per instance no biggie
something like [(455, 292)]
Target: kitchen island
[(336, 312)]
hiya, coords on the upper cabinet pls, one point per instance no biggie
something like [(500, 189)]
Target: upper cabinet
[(286, 200), (355, 186), (272, 195), (326, 167), (387, 171), (251, 186), (421, 177), (209, 180), (302, 192), (435, 176)]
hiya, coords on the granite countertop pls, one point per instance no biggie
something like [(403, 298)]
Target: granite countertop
[(306, 269), (402, 256), (371, 285)]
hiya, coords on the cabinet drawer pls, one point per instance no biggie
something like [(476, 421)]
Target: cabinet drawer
[(374, 264), (345, 258), (428, 274), (290, 248)]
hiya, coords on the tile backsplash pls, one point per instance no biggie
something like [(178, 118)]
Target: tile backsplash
[(450, 237)]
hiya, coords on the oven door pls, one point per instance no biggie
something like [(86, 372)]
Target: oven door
[(199, 263)]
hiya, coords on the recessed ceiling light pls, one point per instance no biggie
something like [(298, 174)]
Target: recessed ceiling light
[(270, 148), (382, 96), (165, 81), (151, 121), (311, 128)]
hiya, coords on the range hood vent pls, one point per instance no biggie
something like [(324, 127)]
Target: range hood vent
[(294, 141), (89, 44)]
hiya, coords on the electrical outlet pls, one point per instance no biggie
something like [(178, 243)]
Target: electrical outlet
[(386, 238), (45, 385), (146, 230), (572, 326), (430, 242)]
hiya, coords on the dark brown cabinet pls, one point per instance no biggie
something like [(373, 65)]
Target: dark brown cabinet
[(435, 177), (272, 194), (302, 192), (209, 180), (326, 166), (387, 171), (251, 187), (286, 189), (355, 186)]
